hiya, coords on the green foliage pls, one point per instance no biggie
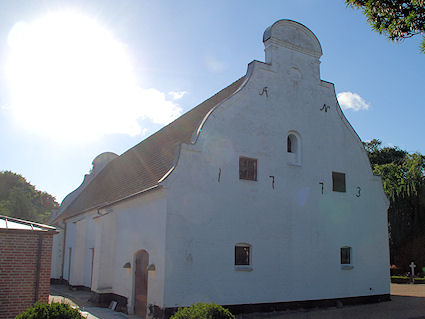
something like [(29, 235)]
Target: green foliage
[(203, 311), (402, 173), (400, 279), (383, 155), (50, 311), (396, 19), (20, 199), (419, 280), (403, 178)]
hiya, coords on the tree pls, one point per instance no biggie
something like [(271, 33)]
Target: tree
[(20, 199), (383, 155), (403, 178), (396, 19)]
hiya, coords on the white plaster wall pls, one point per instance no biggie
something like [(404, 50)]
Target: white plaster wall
[(130, 226), (105, 240), (78, 252), (295, 231), (80, 235), (57, 253), (89, 244), (70, 230)]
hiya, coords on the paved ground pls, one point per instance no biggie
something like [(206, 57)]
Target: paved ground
[(80, 299), (408, 290), (407, 302), (400, 307)]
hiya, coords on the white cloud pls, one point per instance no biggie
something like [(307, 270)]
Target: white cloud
[(353, 101), (176, 95), (71, 80)]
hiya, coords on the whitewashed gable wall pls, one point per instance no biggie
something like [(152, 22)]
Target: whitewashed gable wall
[(296, 232)]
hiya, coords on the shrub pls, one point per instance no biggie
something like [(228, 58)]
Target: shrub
[(50, 311), (419, 280), (400, 279), (203, 311)]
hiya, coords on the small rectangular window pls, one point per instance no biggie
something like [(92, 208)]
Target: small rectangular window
[(247, 168), (345, 255), (242, 255), (338, 182)]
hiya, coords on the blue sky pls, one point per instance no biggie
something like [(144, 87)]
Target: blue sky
[(175, 54)]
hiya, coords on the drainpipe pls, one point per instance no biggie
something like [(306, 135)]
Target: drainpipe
[(38, 266), (63, 250)]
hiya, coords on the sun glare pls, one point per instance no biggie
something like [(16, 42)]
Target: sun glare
[(69, 78)]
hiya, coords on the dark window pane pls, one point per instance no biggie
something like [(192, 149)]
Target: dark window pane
[(247, 168), (289, 145), (241, 255), (338, 182), (345, 255)]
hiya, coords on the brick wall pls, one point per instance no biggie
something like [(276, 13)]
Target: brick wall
[(21, 270)]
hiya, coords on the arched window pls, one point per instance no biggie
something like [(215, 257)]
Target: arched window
[(293, 148)]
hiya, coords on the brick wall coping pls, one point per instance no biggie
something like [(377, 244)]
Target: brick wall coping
[(11, 223), (26, 231)]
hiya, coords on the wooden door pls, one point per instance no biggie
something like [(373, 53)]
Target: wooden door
[(141, 283)]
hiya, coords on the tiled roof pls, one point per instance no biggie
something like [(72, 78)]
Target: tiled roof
[(142, 166), (7, 222)]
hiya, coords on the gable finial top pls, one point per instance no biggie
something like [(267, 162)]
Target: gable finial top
[(293, 35)]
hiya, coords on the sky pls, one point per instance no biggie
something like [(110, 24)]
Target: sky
[(79, 78)]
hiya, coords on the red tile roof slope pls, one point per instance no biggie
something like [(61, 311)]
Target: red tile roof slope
[(142, 166)]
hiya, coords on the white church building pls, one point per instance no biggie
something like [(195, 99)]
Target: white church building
[(260, 198)]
